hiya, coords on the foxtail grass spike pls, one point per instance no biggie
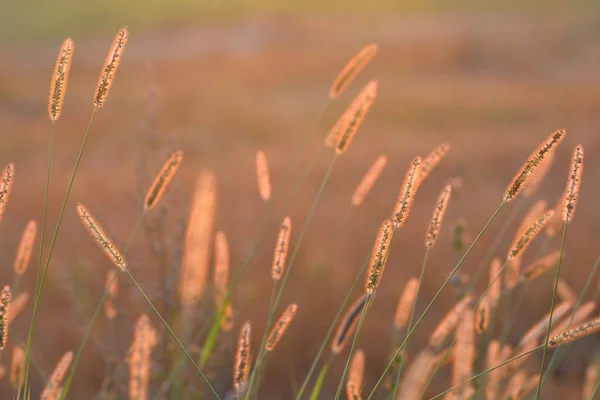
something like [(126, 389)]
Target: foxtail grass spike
[(162, 180), (17, 367), (221, 278), (482, 316), (109, 70), (448, 323), (538, 329), (262, 175), (356, 114), (493, 358), (242, 359), (528, 169), (539, 266), (405, 305), (355, 375), (432, 160), (52, 390), (573, 184), (525, 240), (494, 284), (60, 77), (379, 256), (579, 316), (25, 248), (437, 217), (365, 185), (280, 327), (407, 193), (6, 181), (464, 351), (414, 382), (281, 249), (96, 231), (112, 289), (5, 299), (347, 325), (352, 69), (537, 178), (576, 333), (145, 338)]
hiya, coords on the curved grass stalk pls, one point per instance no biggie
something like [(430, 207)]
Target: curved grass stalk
[(562, 248), (314, 395), (410, 333), (40, 282), (288, 269), (96, 314)]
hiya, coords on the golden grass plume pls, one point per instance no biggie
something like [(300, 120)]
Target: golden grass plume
[(379, 256), (417, 376), (280, 327), (111, 64), (367, 182), (407, 193), (578, 317), (5, 299), (541, 265), (161, 181), (221, 278), (482, 316), (25, 248), (464, 351), (16, 305), (145, 338), (281, 249), (348, 324), (60, 78), (519, 245), (494, 284), (576, 333), (105, 243), (241, 367), (6, 181), (355, 375), (449, 322), (112, 288), (437, 217), (355, 115), (573, 184), (352, 69), (539, 328), (17, 367), (262, 176), (432, 160), (406, 303), (52, 389)]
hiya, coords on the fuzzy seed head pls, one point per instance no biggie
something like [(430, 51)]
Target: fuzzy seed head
[(525, 240), (482, 316), (573, 184), (221, 278), (464, 350), (355, 375), (406, 303), (574, 334), (432, 160), (449, 322), (161, 181), (5, 299), (280, 327), (356, 114), (60, 77), (262, 175), (52, 390), (528, 169), (105, 243), (437, 217), (109, 70), (407, 193), (539, 329), (352, 69), (379, 256), (541, 265), (281, 249), (25, 248), (6, 181), (112, 290), (17, 367), (242, 359), (348, 324), (365, 185), (579, 316), (145, 338)]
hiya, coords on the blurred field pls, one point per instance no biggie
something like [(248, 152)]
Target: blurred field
[(221, 82)]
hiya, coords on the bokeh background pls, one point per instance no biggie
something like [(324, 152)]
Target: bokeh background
[(221, 80)]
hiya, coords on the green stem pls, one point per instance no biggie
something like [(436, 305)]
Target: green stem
[(289, 267), (40, 283), (562, 247), (320, 380), (187, 354), (96, 314), (410, 333), (412, 314)]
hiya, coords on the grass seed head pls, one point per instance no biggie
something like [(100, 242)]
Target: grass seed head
[(379, 256), (437, 217), (111, 64), (573, 185), (280, 327), (241, 368), (161, 181), (367, 182), (352, 69), (60, 77), (25, 248)]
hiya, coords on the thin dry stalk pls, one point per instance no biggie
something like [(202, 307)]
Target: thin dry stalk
[(367, 182), (437, 217), (448, 323), (464, 351), (379, 256), (407, 193), (5, 298), (352, 69), (356, 114), (242, 359), (221, 278), (17, 367), (281, 249), (262, 175), (417, 376), (577, 333), (112, 289), (113, 59), (161, 181), (355, 376), (6, 181), (105, 243), (406, 303), (348, 325), (539, 266), (60, 77), (522, 178), (539, 329), (52, 390), (25, 248), (573, 184), (280, 327), (196, 252), (145, 338), (432, 160)]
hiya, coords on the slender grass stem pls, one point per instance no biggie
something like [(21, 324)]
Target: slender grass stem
[(187, 354), (289, 267), (314, 395), (96, 314), (560, 257), (412, 314), (557, 351), (487, 371), (269, 311), (595, 391), (40, 282), (331, 328), (410, 333)]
